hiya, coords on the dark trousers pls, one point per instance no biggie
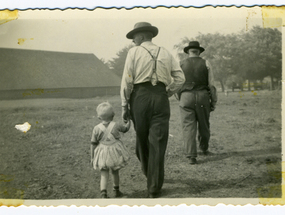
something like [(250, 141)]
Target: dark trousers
[(195, 113), (150, 114)]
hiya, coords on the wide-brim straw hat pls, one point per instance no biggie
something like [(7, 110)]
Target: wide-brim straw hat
[(142, 26), (193, 45)]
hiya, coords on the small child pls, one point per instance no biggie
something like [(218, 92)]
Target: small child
[(107, 151)]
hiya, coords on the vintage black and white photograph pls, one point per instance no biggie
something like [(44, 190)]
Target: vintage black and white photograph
[(143, 104)]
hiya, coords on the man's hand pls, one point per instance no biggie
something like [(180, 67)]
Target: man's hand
[(125, 113), (170, 93), (213, 107)]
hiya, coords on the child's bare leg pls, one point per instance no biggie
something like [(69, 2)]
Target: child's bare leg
[(116, 182), (116, 178), (104, 182), (104, 179)]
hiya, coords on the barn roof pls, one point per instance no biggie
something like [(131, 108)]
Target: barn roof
[(33, 69)]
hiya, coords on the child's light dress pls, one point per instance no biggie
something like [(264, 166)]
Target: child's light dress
[(110, 152)]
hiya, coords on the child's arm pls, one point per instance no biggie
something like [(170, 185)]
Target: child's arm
[(92, 148), (94, 142)]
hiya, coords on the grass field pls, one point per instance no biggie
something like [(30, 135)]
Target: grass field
[(51, 160)]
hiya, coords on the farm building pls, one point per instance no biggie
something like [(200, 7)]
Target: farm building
[(47, 74)]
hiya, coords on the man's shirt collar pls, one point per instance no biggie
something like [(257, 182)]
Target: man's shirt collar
[(147, 43)]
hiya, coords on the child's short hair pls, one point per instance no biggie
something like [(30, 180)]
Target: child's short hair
[(105, 111)]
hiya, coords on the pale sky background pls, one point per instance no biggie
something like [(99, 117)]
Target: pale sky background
[(103, 31)]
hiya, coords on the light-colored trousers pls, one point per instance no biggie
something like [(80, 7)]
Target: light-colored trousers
[(195, 115)]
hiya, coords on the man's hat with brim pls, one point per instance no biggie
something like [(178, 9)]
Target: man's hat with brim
[(193, 45), (142, 26)]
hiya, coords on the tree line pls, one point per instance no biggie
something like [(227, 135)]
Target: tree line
[(236, 58)]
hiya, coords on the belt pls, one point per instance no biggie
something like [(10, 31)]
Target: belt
[(148, 83)]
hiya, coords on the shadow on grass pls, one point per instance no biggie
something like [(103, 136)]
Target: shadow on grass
[(221, 156), (247, 186), (265, 185), (257, 186), (193, 188)]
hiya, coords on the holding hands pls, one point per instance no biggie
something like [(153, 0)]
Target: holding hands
[(126, 116)]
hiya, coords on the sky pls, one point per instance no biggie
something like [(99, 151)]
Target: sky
[(103, 31)]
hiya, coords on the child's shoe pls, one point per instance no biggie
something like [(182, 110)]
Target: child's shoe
[(104, 194)]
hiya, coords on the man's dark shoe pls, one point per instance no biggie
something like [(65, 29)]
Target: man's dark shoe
[(193, 161), (153, 195), (206, 153), (117, 193)]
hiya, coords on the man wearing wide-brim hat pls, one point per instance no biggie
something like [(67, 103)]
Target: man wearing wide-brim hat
[(145, 88), (197, 100)]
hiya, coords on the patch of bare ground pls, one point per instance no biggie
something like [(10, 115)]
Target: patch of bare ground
[(51, 160)]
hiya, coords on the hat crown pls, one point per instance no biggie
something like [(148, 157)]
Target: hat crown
[(194, 44), (142, 24)]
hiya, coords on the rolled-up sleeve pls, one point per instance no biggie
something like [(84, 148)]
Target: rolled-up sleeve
[(210, 73), (127, 79), (178, 77)]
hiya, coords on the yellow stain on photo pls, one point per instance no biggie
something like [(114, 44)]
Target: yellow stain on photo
[(8, 15), (22, 40), (272, 16)]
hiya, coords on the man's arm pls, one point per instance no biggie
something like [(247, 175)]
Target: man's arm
[(178, 78), (177, 83), (210, 73), (213, 90), (127, 86)]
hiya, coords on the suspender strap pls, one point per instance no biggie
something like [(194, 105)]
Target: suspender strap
[(150, 53), (154, 58), (106, 130)]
